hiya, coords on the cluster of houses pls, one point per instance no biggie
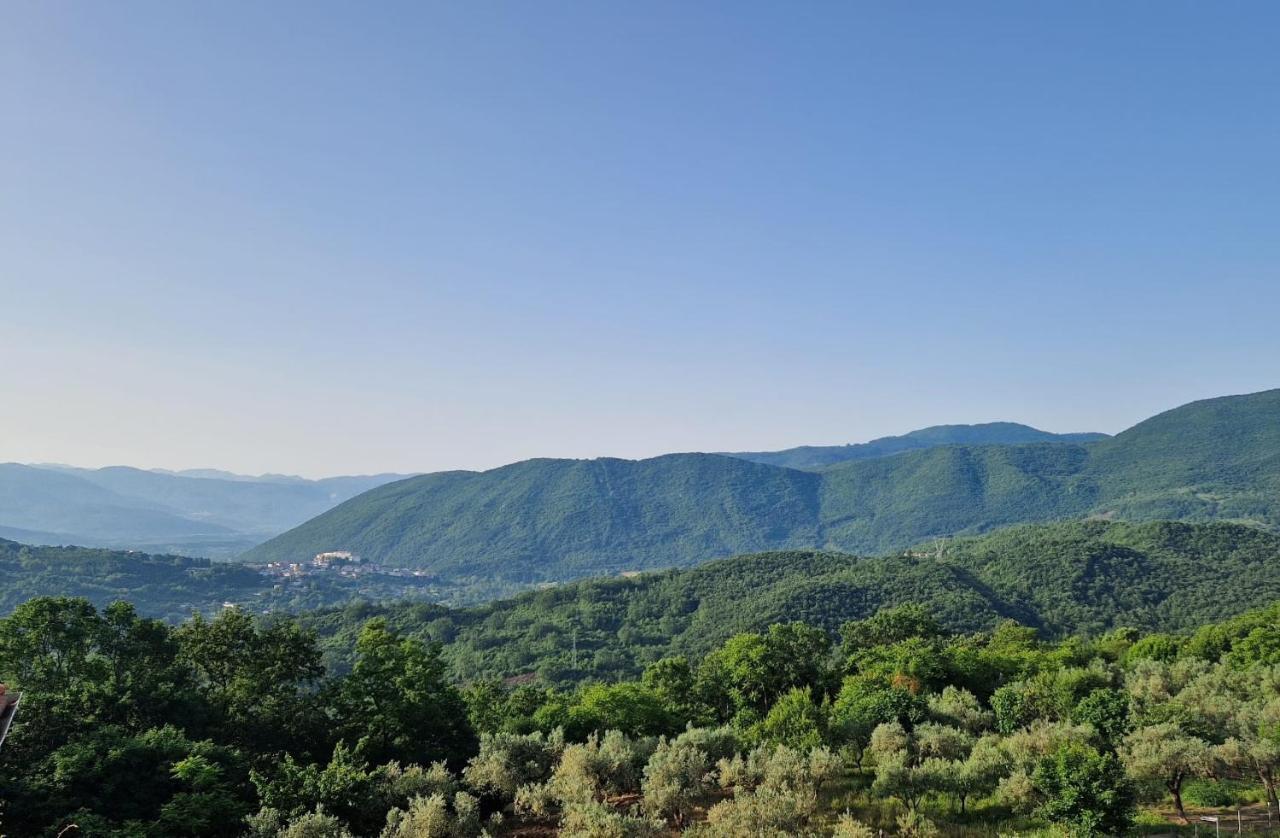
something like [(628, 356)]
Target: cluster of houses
[(336, 562)]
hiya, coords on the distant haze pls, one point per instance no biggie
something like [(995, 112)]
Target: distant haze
[(319, 240)]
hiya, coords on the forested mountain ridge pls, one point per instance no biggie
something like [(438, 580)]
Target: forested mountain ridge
[(564, 519), (1066, 578), (989, 433), (1217, 458), (1081, 576), (593, 516)]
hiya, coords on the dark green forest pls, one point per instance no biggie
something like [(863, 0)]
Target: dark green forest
[(233, 726), (1081, 577), (555, 520), (175, 587), (1075, 577)]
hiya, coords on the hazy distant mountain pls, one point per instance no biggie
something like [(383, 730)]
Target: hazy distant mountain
[(126, 507), (219, 474), (991, 433), (563, 519)]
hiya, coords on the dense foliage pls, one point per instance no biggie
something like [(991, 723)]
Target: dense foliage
[(174, 587), (131, 728), (564, 519), (231, 726), (1080, 577)]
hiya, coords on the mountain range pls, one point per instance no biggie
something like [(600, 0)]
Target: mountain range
[(554, 520), (989, 433), (197, 513), (215, 513)]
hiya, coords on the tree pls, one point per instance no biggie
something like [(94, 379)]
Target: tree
[(1107, 711), (980, 772), (910, 765), (757, 669), (397, 703), (257, 679), (794, 721), (675, 779), (1085, 790), (750, 673), (1252, 723), (158, 776), (865, 702), (897, 775), (344, 787), (1156, 647), (429, 816), (915, 664), (594, 769), (508, 761), (486, 706), (316, 824), (889, 626), (799, 654), (50, 645), (629, 707), (1166, 754), (592, 819), (673, 681), (777, 793), (960, 708)]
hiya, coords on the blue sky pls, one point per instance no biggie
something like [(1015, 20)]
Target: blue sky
[(337, 237)]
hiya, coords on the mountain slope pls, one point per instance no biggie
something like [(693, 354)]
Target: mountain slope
[(991, 433), (884, 504), (594, 516), (1217, 458), (1062, 579), (564, 519)]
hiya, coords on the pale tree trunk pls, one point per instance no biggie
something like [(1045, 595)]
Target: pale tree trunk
[(1269, 785)]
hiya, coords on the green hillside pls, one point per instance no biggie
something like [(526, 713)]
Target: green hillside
[(989, 433), (592, 516), (885, 504), (1078, 577), (546, 520), (1218, 458), (174, 587)]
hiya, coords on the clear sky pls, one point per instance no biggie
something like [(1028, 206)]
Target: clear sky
[(350, 237)]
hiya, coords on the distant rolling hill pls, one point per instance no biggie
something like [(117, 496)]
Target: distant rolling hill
[(131, 508), (991, 433), (174, 587), (563, 519), (1065, 578), (592, 516)]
